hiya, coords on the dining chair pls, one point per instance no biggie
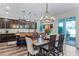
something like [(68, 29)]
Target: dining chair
[(17, 40), (35, 35), (59, 47), (30, 48), (50, 48)]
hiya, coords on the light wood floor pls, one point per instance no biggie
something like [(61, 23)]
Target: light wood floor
[(12, 50)]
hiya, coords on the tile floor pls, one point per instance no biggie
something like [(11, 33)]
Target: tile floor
[(71, 51)]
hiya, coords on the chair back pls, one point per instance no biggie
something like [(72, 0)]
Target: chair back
[(35, 35), (52, 42), (29, 45), (17, 37)]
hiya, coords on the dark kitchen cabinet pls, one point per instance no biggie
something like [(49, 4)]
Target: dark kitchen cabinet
[(7, 37)]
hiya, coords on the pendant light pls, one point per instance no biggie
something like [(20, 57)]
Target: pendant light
[(46, 19)]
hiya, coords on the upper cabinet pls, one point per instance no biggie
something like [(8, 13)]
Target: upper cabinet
[(2, 23), (17, 24)]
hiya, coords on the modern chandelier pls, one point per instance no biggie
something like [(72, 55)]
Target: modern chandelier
[(46, 19)]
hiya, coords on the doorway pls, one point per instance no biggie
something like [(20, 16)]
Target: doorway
[(67, 26)]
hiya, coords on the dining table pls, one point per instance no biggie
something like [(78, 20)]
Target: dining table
[(42, 43), (38, 44)]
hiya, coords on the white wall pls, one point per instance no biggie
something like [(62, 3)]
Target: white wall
[(68, 14)]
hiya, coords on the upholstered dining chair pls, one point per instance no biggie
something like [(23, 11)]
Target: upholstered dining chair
[(21, 42), (59, 47), (50, 48), (30, 48)]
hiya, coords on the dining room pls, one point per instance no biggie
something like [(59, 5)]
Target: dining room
[(36, 29)]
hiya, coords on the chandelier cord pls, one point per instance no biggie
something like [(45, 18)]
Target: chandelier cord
[(46, 8)]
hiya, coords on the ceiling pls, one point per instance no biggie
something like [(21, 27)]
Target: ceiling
[(37, 9)]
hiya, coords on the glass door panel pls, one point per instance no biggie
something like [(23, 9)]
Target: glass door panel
[(71, 34), (67, 26)]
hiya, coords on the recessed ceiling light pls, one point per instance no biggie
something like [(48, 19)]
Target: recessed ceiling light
[(7, 7)]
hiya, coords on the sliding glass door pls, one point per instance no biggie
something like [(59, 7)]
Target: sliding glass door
[(67, 26)]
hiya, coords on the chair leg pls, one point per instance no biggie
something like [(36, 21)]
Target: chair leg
[(28, 54), (62, 52), (58, 54)]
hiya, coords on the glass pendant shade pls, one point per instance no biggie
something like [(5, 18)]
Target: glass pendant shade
[(47, 19)]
